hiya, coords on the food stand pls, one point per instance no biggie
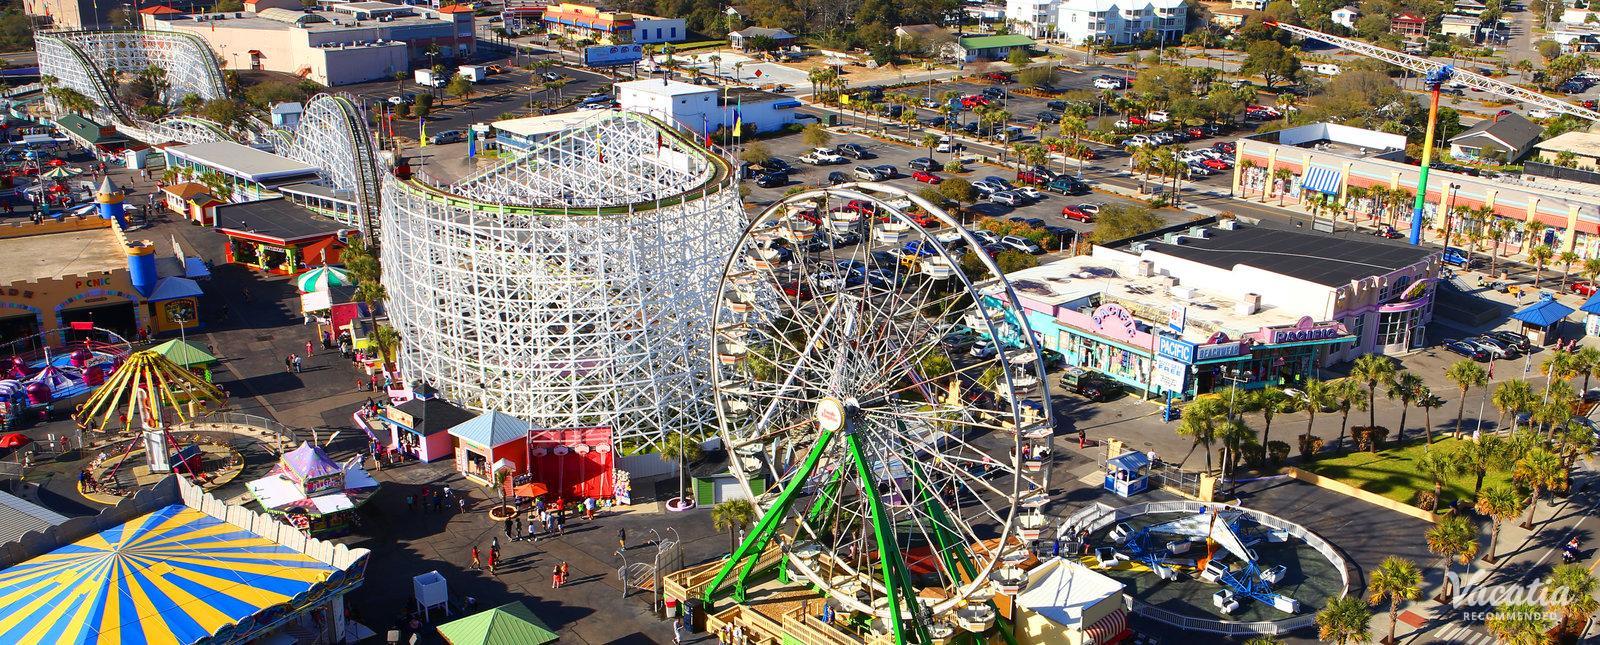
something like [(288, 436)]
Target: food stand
[(313, 493)]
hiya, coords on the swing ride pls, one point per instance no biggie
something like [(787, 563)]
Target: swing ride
[(906, 473)]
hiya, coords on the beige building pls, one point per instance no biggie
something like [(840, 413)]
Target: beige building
[(347, 43), (1584, 148)]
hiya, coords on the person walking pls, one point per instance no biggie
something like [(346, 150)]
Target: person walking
[(461, 501), (494, 546), (308, 348), (588, 508), (555, 577), (565, 573), (509, 534), (411, 503), (677, 632), (288, 363), (519, 528), (491, 561), (476, 565), (297, 365), (622, 539)]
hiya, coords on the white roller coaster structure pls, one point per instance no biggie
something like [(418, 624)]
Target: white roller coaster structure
[(571, 286), (332, 133)]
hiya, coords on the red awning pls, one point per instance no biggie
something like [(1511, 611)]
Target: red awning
[(254, 52), (1110, 629)]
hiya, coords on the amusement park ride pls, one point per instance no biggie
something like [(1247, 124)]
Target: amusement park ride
[(902, 480), (1436, 75), (145, 390), (1163, 547)]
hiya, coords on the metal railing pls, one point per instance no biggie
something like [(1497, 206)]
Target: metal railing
[(281, 436)]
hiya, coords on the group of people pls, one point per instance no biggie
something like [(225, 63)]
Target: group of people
[(291, 364), (429, 500)]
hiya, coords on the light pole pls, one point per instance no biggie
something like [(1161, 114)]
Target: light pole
[(1448, 214), (1234, 377)]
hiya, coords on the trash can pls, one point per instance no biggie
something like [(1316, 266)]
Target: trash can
[(694, 615), (833, 119)]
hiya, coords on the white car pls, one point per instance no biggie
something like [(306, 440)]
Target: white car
[(1197, 170), (1540, 113), (1122, 124), (946, 144), (985, 236), (1007, 197), (1033, 194), (824, 156), (1158, 116), (1104, 83), (1092, 208), (1021, 244)]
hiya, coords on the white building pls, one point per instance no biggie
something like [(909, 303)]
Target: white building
[(1036, 18), (1346, 16), (1121, 21), (654, 29), (702, 109)]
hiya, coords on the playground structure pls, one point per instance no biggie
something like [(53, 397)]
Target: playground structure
[(572, 286), (1212, 567), (48, 368)]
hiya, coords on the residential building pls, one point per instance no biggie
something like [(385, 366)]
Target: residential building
[(347, 43), (1122, 21), (1468, 8), (975, 48), (1035, 18), (654, 30), (1466, 27), (1229, 18), (1501, 140), (1346, 16), (69, 14), (705, 109), (1408, 25), (586, 22), (1582, 148), (1333, 160), (1251, 5), (740, 40)]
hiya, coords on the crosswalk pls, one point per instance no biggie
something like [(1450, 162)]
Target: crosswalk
[(1460, 635)]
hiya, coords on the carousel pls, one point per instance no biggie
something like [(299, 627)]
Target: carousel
[(146, 397), (35, 379), (313, 493)]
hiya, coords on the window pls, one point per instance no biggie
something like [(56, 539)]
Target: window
[(674, 32)]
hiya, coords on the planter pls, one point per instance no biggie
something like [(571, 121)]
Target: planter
[(502, 512)]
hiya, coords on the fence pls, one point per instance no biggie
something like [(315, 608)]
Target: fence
[(1538, 169), (1102, 517), (1170, 476), (279, 435)]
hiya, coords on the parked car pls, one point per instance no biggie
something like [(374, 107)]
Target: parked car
[(551, 76), (926, 177), (888, 171), (1584, 287), (1197, 170), (948, 144), (1033, 194), (868, 173), (922, 163), (1460, 258), (1022, 244), (1075, 213), (1089, 385), (1008, 198), (1496, 348), (984, 348), (1104, 82), (854, 151), (1216, 164), (837, 177), (1067, 186), (1059, 106), (771, 179), (1468, 350), (919, 248), (822, 157), (998, 77), (1158, 116), (447, 136), (861, 206), (1513, 339), (985, 188), (985, 236)]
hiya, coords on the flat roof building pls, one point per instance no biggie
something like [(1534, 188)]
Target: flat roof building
[(252, 173), (707, 109), (278, 236)]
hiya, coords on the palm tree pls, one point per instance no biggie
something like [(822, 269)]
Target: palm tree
[(1566, 258), (1349, 395), (930, 141), (1199, 422), (1236, 439), (1344, 621), (1405, 387), (1573, 440), (1520, 623), (732, 516), (1539, 254), (1454, 538), (1429, 402), (1576, 586), (1591, 269), (1074, 126), (1244, 175), (370, 293), (1465, 374), (1498, 229), (1282, 175), (387, 341), (1373, 370), (1270, 400), (1512, 397), (1500, 502), (1479, 456), (1587, 361), (1396, 579), (681, 448), (1437, 466), (1540, 470)]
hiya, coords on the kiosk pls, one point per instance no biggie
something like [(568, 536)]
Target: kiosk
[(1128, 473)]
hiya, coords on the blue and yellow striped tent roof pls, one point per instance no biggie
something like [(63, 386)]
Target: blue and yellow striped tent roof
[(174, 576)]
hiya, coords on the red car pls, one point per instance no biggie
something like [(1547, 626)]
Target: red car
[(1073, 212), (1216, 164), (1137, 120), (797, 291), (1584, 287), (998, 77), (1030, 177), (1087, 154), (926, 177), (973, 101), (1197, 133)]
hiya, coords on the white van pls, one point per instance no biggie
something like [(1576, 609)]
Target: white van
[(1328, 69)]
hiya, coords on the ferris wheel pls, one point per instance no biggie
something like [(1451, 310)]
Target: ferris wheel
[(886, 413)]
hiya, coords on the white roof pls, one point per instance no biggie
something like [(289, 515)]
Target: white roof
[(669, 88), (241, 160), (530, 126), (1060, 590), (1576, 142)]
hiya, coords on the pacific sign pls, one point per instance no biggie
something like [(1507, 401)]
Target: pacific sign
[(1305, 330)]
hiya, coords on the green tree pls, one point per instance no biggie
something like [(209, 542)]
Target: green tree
[(1500, 502), (1269, 401), (1373, 370), (1013, 261), (681, 449), (816, 135), (386, 340), (958, 190), (459, 87), (1405, 387), (1317, 394), (1395, 580), (1040, 76), (1465, 374), (370, 293), (1480, 456), (1117, 221), (1540, 254), (223, 6), (1437, 466), (755, 154), (1575, 585), (1018, 57), (1539, 470), (1344, 621), (1455, 539), (1272, 62), (1512, 398), (1200, 421), (1350, 396), (732, 516)]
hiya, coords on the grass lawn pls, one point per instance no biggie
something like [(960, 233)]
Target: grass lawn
[(1391, 473)]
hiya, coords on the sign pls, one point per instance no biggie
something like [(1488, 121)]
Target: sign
[(1219, 350), (1170, 375), (612, 55), (1175, 349), (1303, 331), (1177, 317), (830, 414), (1115, 319)]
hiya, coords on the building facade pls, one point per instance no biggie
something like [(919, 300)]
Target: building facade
[(1121, 21), (587, 22), (706, 109)]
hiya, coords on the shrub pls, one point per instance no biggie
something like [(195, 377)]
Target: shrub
[(1310, 445)]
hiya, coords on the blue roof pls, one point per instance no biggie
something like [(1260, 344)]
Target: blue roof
[(1592, 305), (173, 287), (1130, 461), (492, 429), (1543, 313)]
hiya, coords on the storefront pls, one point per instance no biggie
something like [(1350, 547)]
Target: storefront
[(278, 236), (1283, 356), (1109, 341), (573, 463), (419, 428), (488, 439)]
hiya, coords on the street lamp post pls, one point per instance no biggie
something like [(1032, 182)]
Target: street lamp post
[(1449, 214), (1234, 377)]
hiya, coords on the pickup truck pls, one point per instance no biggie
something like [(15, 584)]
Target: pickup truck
[(820, 157)]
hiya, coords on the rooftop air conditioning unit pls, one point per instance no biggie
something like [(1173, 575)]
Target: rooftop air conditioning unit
[(1143, 269), (1138, 247), (1183, 293), (1168, 281), (1172, 238), (1229, 224), (1199, 232), (1249, 304)]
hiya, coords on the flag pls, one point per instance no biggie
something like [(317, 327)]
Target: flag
[(422, 131), (738, 121), (844, 99)]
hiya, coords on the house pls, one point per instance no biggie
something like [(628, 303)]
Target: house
[(1464, 26), (740, 40), (1346, 16), (1229, 18), (1120, 22), (976, 48), (1502, 140), (420, 428), (191, 200), (1582, 148), (1408, 25), (1468, 8), (1250, 5)]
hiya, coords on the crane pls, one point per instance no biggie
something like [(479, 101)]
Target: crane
[(1435, 75)]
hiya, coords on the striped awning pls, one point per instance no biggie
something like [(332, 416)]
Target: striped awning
[(1110, 629), (1321, 179)]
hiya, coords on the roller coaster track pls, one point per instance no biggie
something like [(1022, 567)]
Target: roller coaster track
[(332, 135)]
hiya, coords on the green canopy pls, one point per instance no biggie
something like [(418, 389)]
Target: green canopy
[(508, 624), (185, 353)]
